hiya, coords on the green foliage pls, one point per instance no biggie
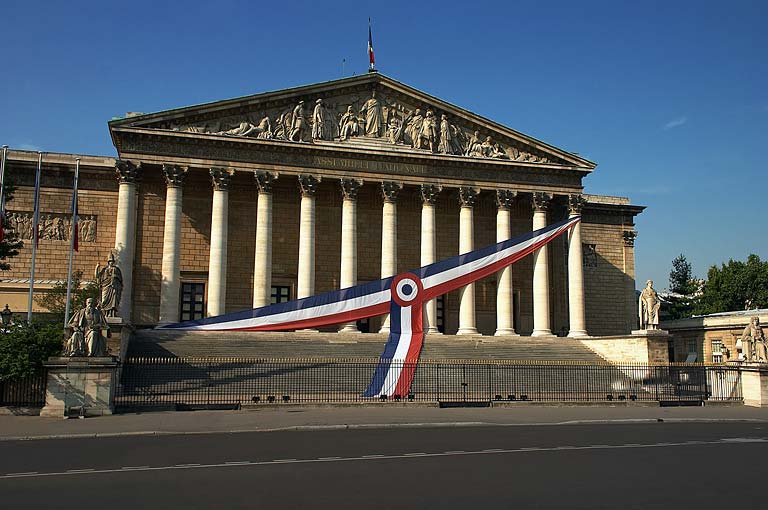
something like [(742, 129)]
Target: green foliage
[(683, 288), (10, 245), (681, 277), (24, 347), (735, 286), (55, 300)]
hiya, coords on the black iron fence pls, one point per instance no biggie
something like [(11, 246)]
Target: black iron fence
[(237, 381), (27, 391)]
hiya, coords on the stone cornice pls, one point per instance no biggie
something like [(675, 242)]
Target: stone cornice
[(291, 157)]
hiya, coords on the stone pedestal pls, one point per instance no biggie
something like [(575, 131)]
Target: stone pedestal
[(80, 387), (754, 384), (646, 346), (119, 336)]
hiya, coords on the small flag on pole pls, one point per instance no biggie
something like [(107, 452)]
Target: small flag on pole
[(75, 217), (2, 192), (371, 58), (36, 211)]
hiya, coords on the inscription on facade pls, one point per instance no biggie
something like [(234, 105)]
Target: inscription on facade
[(369, 166)]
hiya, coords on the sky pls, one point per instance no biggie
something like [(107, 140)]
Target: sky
[(669, 98)]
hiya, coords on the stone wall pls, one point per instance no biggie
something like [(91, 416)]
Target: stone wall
[(609, 286)]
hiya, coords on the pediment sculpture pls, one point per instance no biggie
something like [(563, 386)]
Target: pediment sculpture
[(339, 119)]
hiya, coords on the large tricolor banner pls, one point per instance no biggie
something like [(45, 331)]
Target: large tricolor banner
[(402, 296)]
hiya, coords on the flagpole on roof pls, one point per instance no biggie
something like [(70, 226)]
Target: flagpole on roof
[(371, 58), (73, 235), (35, 234), (2, 192)]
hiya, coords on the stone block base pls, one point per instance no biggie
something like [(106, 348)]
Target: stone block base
[(643, 346), (754, 386), (79, 387)]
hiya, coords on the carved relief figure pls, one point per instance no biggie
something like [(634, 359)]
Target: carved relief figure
[(446, 136), (110, 282), (428, 135), (348, 124), (475, 146), (264, 128), (298, 123), (648, 307), (414, 127), (87, 338), (374, 118), (320, 127)]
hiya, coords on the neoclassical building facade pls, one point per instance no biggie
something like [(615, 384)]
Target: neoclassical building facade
[(245, 202)]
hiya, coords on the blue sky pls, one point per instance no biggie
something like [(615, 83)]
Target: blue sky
[(669, 98)]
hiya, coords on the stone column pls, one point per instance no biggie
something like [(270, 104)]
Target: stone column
[(541, 325), (262, 265), (504, 293), (128, 174), (169, 282), (306, 274), (577, 321), (467, 198), (429, 195), (217, 262), (348, 273), (389, 236)]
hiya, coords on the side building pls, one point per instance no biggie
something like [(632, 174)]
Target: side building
[(235, 204)]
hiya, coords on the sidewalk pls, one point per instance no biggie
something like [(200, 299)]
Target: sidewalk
[(304, 418)]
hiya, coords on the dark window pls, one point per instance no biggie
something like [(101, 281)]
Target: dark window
[(192, 301), (280, 294)]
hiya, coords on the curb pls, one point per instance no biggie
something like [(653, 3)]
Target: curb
[(373, 426)]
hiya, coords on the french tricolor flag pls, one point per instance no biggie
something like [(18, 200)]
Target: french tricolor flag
[(402, 296), (371, 58)]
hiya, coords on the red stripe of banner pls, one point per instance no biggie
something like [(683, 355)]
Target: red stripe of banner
[(457, 283), (324, 320)]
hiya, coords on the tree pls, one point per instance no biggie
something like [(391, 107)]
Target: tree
[(681, 277), (24, 347), (55, 300), (735, 286), (682, 289), (11, 244)]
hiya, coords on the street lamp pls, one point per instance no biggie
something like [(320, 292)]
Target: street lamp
[(6, 315)]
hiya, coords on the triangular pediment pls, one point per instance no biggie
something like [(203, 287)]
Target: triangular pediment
[(371, 111)]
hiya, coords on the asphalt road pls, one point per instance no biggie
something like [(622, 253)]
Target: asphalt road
[(656, 465)]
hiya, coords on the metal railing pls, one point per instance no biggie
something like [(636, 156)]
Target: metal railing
[(28, 391), (237, 381)]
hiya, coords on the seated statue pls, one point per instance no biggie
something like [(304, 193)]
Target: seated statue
[(87, 337), (753, 342)]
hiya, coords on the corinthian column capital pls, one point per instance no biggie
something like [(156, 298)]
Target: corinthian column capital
[(429, 193), (174, 175), (390, 190), (505, 198), (540, 201), (308, 184), (350, 188), (468, 196), (127, 171), (576, 203), (221, 177), (264, 180)]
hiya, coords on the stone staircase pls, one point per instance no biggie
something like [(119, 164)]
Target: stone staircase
[(243, 344)]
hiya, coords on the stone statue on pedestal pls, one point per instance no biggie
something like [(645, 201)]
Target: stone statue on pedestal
[(110, 281), (753, 343), (87, 337), (648, 307)]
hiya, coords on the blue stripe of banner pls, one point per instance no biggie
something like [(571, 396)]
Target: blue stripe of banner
[(395, 329), (366, 288)]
